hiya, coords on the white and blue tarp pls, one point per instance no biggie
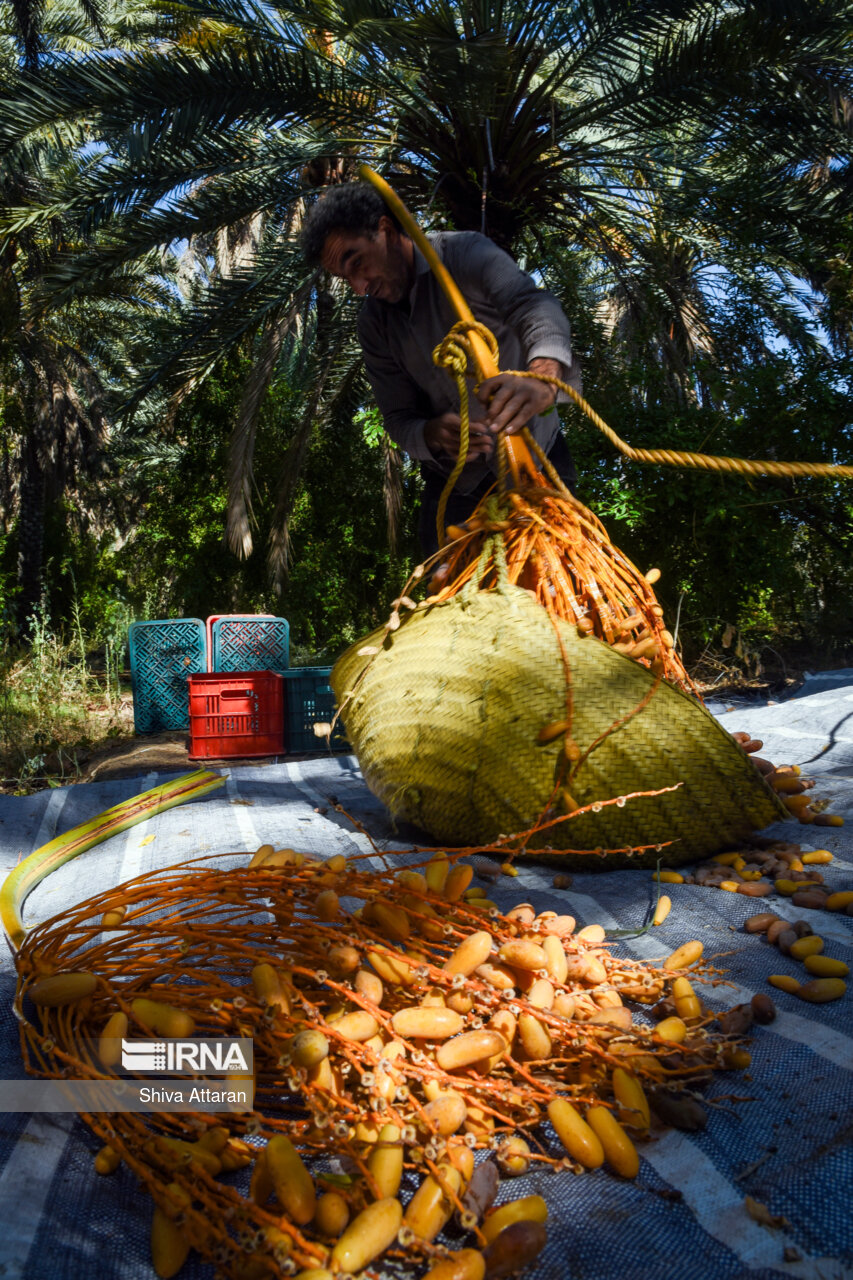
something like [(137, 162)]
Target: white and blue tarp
[(785, 1139)]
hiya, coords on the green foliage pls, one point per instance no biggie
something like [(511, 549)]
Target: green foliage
[(770, 561), (53, 705), (175, 563), (340, 542), (370, 421)]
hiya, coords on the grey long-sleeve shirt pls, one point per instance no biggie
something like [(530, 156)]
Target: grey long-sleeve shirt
[(398, 343)]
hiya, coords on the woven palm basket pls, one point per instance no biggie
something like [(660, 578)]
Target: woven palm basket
[(445, 718)]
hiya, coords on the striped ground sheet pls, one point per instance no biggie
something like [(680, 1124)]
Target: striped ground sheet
[(786, 1142)]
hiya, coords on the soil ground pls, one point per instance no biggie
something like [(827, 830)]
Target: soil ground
[(157, 753), (148, 753)]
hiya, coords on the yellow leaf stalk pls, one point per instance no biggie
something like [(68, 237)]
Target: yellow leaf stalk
[(51, 856)]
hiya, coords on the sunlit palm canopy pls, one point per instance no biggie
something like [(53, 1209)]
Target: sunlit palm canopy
[(666, 151)]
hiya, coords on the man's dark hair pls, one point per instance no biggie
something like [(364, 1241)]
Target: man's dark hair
[(353, 207)]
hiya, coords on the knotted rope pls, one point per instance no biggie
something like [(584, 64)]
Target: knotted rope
[(453, 353)]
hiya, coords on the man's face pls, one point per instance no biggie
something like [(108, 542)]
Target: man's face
[(377, 266)]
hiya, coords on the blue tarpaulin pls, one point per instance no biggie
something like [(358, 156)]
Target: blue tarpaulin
[(785, 1140)]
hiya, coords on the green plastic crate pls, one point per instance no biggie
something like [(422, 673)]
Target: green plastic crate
[(308, 700)]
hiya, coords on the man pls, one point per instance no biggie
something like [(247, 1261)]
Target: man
[(353, 235)]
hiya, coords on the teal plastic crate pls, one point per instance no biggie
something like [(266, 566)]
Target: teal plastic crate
[(249, 642), (308, 700), (162, 654)]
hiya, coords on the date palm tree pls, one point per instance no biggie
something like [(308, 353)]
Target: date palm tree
[(555, 129), (61, 362), (28, 18), (60, 366)]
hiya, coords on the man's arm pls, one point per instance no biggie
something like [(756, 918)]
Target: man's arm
[(537, 318), (397, 396), (442, 436)]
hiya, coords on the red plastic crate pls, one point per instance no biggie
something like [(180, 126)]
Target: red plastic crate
[(236, 713)]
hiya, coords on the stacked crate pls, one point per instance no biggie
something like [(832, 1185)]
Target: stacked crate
[(263, 707), (162, 655), (310, 701)]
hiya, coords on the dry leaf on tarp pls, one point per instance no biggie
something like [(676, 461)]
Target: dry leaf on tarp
[(761, 1214)]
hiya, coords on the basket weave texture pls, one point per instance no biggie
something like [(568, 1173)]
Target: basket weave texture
[(444, 720)]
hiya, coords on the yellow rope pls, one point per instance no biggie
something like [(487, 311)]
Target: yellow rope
[(453, 354), (679, 458), (663, 457)]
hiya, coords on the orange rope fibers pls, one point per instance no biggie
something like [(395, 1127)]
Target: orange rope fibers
[(359, 989), (552, 544)]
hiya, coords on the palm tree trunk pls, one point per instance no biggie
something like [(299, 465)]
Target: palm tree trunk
[(30, 534), (392, 491)]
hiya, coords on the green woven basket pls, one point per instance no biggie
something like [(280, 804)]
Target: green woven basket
[(445, 717)]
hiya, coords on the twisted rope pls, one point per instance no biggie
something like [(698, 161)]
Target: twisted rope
[(453, 353), (458, 343), (683, 458)]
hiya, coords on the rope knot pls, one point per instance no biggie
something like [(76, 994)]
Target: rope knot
[(454, 354), (454, 351)]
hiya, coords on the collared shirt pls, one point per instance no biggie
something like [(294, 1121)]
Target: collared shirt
[(398, 343)]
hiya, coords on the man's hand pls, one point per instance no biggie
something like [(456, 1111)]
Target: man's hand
[(442, 437), (512, 401)]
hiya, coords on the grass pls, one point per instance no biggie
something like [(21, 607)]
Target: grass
[(57, 702)]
